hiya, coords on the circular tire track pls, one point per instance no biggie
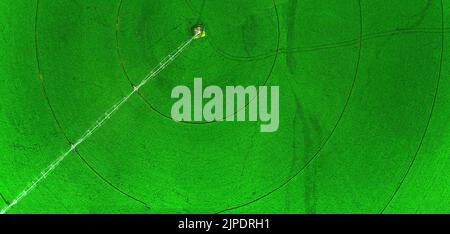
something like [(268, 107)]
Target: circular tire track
[(149, 104), (329, 136), (433, 104), (44, 90)]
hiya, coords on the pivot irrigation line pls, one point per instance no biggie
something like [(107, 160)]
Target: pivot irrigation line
[(101, 120)]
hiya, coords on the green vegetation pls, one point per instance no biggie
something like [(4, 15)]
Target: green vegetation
[(364, 106)]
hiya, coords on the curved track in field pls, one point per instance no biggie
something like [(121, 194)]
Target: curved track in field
[(363, 119)]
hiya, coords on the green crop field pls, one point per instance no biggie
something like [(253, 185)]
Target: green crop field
[(364, 106)]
